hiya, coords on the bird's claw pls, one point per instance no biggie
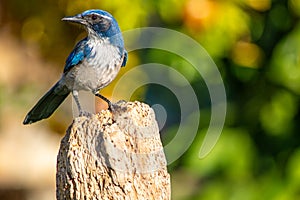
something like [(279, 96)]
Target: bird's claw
[(116, 107), (85, 113), (121, 101)]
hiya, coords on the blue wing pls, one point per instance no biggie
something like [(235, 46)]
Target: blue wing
[(124, 59), (78, 54)]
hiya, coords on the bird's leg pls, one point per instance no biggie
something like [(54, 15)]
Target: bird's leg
[(81, 112), (75, 96), (111, 106), (104, 99)]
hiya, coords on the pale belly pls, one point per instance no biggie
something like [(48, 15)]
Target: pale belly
[(85, 77)]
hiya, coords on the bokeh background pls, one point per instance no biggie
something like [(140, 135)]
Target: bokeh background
[(256, 46)]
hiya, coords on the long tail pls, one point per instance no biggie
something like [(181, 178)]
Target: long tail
[(47, 104)]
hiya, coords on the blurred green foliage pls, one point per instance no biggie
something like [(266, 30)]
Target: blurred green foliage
[(256, 45)]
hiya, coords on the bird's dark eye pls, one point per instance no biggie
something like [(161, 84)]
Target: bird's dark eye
[(94, 17)]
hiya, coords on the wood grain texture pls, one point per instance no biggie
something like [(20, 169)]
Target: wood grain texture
[(113, 156)]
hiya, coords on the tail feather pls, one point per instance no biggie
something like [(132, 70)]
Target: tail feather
[(47, 104)]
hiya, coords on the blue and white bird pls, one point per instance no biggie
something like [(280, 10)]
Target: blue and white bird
[(91, 66)]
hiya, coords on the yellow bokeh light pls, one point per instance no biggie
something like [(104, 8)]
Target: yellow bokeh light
[(260, 5), (200, 12), (247, 54)]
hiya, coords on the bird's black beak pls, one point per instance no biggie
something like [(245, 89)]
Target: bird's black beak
[(76, 19)]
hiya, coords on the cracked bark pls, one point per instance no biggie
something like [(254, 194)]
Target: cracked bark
[(113, 156)]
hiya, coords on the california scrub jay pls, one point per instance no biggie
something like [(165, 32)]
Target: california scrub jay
[(91, 66)]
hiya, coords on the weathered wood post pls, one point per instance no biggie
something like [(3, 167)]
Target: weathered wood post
[(113, 156)]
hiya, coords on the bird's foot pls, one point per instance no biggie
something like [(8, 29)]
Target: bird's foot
[(121, 101), (85, 113), (117, 107)]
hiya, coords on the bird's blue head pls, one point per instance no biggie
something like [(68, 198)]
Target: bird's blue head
[(99, 24)]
